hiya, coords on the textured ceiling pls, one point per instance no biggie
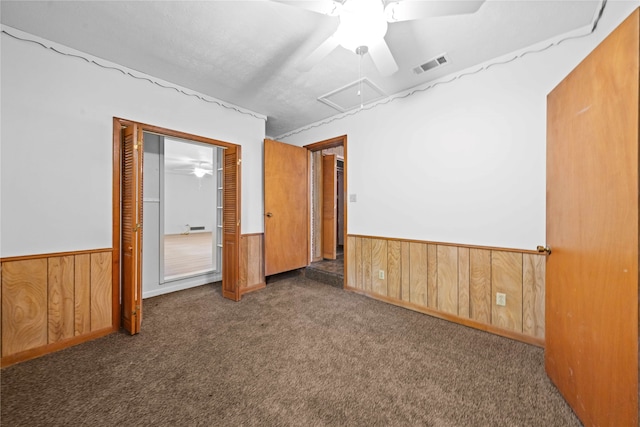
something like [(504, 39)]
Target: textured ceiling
[(246, 52)]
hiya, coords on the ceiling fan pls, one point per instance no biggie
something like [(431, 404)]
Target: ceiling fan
[(198, 169), (363, 24)]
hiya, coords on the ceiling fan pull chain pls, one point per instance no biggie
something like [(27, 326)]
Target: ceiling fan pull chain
[(361, 51), (360, 79)]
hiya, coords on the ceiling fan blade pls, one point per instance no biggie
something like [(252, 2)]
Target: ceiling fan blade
[(325, 7), (407, 10), (382, 58), (317, 55)]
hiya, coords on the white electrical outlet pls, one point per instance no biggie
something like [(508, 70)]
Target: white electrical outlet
[(501, 299), (381, 274), (353, 198)]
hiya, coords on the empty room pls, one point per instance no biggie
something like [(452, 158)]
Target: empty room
[(333, 212)]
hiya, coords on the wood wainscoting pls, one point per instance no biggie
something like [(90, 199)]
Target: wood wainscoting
[(454, 282), (53, 301), (252, 263)]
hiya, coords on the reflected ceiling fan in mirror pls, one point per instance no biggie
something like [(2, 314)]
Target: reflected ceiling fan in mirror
[(199, 169), (363, 24)]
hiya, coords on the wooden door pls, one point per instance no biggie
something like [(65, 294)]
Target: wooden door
[(329, 206), (592, 228), (286, 205), (231, 224), (132, 150)]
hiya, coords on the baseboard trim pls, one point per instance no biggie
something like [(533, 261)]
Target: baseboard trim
[(452, 318), (253, 288), (53, 347)]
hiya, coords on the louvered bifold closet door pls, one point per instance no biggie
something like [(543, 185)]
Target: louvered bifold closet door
[(231, 224), (132, 229)]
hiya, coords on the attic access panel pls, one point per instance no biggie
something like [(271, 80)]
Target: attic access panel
[(353, 95)]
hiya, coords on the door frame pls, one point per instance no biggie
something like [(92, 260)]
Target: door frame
[(338, 141), (118, 124)]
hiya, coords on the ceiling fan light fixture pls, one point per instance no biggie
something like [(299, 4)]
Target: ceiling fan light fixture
[(199, 172), (391, 12), (362, 23)]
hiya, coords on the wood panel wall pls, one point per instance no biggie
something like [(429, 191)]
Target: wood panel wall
[(52, 301), (251, 263), (458, 283)]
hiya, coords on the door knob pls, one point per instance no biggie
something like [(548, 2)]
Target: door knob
[(269, 214), (544, 250)]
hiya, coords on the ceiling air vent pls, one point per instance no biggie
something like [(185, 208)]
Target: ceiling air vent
[(431, 64)]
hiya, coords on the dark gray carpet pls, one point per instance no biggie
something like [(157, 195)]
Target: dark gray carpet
[(296, 353)]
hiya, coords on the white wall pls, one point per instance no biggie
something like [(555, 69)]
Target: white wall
[(56, 142), (151, 252), (189, 200), (463, 162)]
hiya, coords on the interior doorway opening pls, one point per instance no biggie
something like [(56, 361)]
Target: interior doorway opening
[(128, 223), (293, 216), (328, 211), (182, 205)]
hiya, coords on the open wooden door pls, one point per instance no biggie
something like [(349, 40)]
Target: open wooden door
[(329, 206), (592, 228), (286, 206), (231, 224), (132, 228)]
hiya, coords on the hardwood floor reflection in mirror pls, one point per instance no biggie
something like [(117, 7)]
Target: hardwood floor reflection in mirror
[(187, 254)]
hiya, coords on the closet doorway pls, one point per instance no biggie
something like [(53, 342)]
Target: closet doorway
[(128, 215)]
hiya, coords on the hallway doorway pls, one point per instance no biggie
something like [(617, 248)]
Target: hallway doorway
[(328, 211)]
